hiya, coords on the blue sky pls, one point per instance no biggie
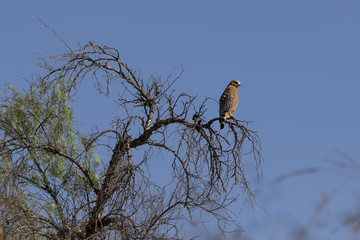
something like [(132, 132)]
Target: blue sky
[(298, 62)]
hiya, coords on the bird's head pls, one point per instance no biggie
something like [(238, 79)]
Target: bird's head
[(235, 83)]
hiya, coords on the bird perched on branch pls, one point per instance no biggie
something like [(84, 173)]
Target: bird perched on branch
[(228, 102)]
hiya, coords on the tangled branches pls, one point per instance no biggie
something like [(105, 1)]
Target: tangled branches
[(116, 197)]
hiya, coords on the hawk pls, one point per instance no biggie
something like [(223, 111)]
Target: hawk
[(228, 102)]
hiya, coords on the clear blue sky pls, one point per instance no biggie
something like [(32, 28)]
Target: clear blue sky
[(298, 61)]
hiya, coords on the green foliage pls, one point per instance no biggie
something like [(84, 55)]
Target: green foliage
[(40, 117), (38, 146), (42, 109)]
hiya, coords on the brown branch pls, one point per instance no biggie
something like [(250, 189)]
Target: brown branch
[(107, 186)]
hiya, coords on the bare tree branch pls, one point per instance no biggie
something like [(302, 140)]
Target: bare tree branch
[(80, 195)]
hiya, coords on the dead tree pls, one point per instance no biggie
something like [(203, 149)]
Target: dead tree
[(54, 185)]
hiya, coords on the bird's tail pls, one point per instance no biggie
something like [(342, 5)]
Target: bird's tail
[(222, 120)]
